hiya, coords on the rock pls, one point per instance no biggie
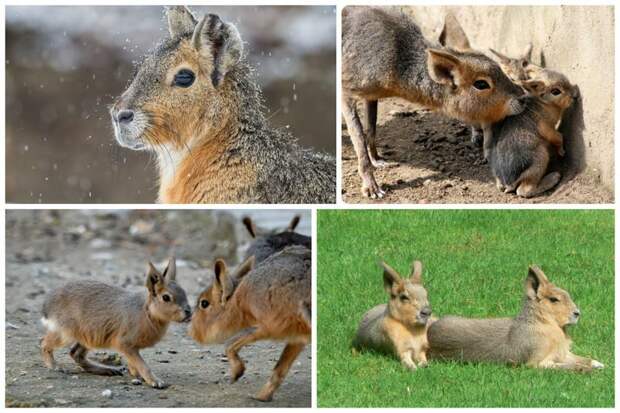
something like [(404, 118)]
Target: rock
[(11, 326), (100, 243), (136, 382), (107, 393), (427, 182), (61, 401), (453, 139)]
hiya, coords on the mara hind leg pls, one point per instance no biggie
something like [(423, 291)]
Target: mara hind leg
[(531, 182), (370, 187), (289, 354), (50, 342), (370, 127), (79, 354)]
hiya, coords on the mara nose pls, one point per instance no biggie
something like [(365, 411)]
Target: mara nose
[(577, 313), (124, 116), (426, 311)]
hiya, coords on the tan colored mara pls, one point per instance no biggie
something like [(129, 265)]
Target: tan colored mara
[(536, 337), (93, 315), (271, 301), (195, 103), (398, 328)]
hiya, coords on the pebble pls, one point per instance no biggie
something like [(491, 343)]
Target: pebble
[(427, 182), (136, 382), (107, 393)]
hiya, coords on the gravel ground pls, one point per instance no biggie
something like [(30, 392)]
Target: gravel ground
[(46, 249)]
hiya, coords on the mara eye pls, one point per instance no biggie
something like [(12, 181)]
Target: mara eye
[(404, 298), (524, 63), (166, 298), (556, 92), (481, 84), (553, 299), (204, 303), (184, 78)]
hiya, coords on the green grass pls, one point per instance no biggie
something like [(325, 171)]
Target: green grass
[(474, 265)]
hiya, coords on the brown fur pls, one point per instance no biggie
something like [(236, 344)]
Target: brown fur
[(399, 328), (540, 82), (269, 302), (537, 337), (211, 138), (385, 55), (92, 315)]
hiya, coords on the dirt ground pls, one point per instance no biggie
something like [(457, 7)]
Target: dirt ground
[(46, 249), (437, 163)]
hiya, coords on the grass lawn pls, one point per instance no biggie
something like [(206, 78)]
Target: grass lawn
[(475, 262)]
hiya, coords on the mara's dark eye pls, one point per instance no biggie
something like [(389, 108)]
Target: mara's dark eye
[(524, 63), (554, 299), (184, 78), (204, 303), (556, 92), (166, 298), (481, 84), (404, 298)]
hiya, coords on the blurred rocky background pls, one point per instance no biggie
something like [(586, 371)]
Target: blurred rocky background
[(65, 65)]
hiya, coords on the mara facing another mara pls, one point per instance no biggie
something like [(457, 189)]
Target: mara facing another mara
[(271, 301), (536, 337), (195, 104), (92, 315)]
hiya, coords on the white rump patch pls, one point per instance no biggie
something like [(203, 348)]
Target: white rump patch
[(49, 324)]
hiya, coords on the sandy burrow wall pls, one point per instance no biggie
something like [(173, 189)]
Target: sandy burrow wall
[(577, 41)]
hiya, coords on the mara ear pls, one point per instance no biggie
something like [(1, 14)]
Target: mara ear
[(502, 58), (452, 35), (219, 42), (153, 279), (245, 267), (527, 52), (180, 21), (293, 224), (543, 59), (390, 277), (222, 284), (249, 225), (416, 272), (443, 67), (535, 281), (170, 273), (574, 92), (220, 280), (534, 86)]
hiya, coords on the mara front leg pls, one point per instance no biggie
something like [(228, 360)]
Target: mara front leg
[(137, 365), (371, 108), (370, 187), (237, 367)]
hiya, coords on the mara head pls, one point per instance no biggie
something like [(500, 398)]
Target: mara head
[(408, 299), (477, 90), (181, 89), (167, 300), (208, 322), (552, 88), (549, 302), (254, 232), (519, 68)]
